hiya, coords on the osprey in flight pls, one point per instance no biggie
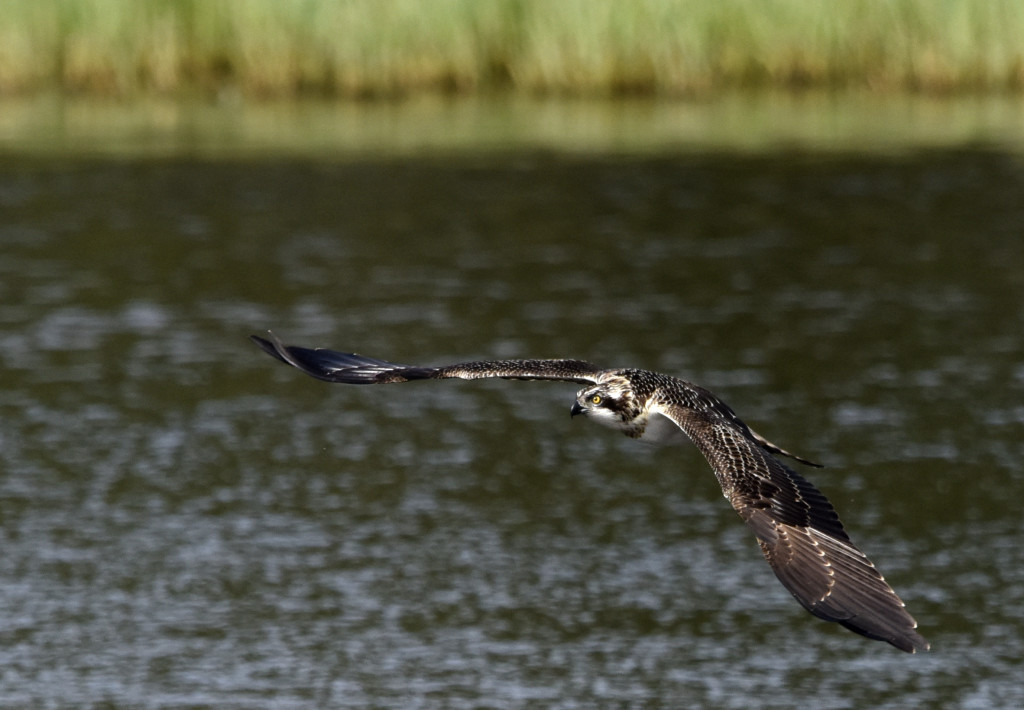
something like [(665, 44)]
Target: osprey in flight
[(797, 528)]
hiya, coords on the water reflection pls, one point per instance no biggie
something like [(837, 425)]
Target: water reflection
[(440, 125), (185, 523)]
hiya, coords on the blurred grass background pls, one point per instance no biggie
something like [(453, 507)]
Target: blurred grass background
[(368, 48)]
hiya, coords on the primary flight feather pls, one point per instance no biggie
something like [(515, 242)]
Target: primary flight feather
[(797, 528)]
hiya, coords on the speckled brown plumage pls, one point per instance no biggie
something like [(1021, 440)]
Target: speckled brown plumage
[(797, 528)]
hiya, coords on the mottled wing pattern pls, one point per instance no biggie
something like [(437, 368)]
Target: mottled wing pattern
[(799, 531), (350, 368)]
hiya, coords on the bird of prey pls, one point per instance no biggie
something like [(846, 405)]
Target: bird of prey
[(797, 528)]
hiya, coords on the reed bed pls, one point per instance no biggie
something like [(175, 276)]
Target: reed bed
[(369, 48)]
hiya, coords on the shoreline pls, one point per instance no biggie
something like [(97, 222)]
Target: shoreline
[(384, 49)]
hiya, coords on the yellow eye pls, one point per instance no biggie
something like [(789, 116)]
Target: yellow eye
[(596, 399)]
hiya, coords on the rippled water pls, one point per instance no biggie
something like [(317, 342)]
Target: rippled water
[(187, 523)]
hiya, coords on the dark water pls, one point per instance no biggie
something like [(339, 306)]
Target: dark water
[(186, 523)]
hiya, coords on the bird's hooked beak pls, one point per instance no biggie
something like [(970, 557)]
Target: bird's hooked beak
[(576, 409)]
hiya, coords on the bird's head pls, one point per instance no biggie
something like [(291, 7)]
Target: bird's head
[(610, 402)]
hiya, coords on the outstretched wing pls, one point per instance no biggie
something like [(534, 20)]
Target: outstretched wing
[(799, 531), (353, 369)]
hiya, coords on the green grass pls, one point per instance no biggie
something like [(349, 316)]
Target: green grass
[(571, 47)]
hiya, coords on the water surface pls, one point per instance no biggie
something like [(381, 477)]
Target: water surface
[(187, 523)]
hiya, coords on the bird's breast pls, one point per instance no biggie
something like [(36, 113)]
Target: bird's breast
[(662, 431)]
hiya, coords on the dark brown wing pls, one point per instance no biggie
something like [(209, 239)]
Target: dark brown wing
[(353, 369), (799, 533)]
